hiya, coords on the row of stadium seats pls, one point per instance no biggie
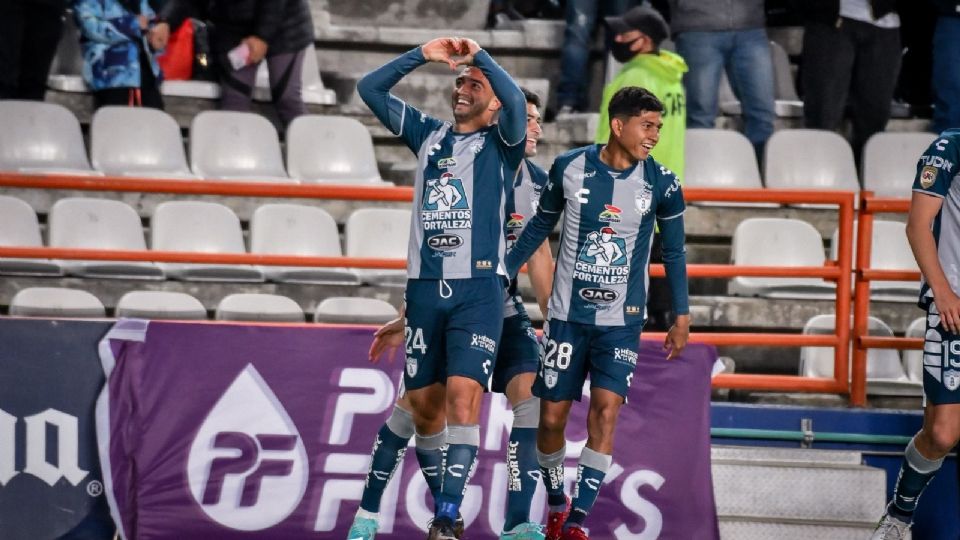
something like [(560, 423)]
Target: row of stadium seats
[(804, 159), (131, 141), (887, 372), (65, 302), (205, 227)]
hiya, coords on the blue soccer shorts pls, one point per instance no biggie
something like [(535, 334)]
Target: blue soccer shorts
[(941, 361), (519, 350)]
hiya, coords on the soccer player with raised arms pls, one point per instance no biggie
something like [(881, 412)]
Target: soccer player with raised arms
[(456, 286), (612, 196), (933, 230)]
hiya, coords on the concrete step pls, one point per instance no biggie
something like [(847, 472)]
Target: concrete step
[(785, 456), (744, 529), (464, 14)]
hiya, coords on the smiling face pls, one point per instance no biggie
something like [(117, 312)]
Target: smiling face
[(534, 130), (472, 97), (637, 135)]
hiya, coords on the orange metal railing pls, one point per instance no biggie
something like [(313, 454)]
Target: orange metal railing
[(837, 272), (863, 275)]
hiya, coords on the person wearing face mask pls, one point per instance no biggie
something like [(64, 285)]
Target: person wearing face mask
[(636, 44)]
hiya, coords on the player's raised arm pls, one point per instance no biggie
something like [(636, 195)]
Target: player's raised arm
[(512, 123)]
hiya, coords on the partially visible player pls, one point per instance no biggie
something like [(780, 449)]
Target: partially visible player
[(456, 286), (933, 229), (517, 360), (611, 196)]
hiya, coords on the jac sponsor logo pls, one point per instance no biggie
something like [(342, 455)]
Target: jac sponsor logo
[(938, 162), (38, 449), (598, 295), (445, 242), (247, 466)]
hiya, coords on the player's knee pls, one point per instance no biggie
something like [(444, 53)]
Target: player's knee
[(552, 421), (942, 437), (604, 416)]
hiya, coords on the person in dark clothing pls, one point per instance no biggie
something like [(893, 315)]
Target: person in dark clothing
[(946, 72), (29, 33), (276, 30), (851, 57)]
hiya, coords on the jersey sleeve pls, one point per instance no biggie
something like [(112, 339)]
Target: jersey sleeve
[(937, 167), (671, 204), (673, 237), (403, 120), (546, 218)]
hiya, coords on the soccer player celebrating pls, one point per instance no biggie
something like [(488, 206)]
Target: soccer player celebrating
[(611, 195), (455, 292), (513, 374), (933, 229)]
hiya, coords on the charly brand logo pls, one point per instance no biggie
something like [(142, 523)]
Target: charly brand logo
[(247, 466), (37, 449)]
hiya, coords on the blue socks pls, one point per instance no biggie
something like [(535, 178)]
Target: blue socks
[(551, 470), (522, 462), (915, 473), (388, 451), (593, 467), (462, 444), (430, 456)]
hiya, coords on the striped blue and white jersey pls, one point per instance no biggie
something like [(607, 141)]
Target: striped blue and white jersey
[(456, 229), (602, 270), (521, 206), (937, 174)]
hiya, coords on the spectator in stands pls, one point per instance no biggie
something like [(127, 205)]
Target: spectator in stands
[(638, 34), (117, 64), (582, 20), (245, 33), (29, 33), (712, 36), (851, 58), (946, 72)]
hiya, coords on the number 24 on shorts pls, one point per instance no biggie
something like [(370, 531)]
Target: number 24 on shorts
[(414, 339)]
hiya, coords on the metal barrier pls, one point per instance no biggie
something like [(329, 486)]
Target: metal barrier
[(838, 272), (870, 205)]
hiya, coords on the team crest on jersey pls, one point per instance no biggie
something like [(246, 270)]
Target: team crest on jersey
[(477, 146), (550, 377), (951, 379), (445, 204), (603, 258), (610, 214), (411, 366), (643, 198), (928, 175)]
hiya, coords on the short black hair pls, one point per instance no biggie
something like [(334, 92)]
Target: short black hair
[(531, 96), (632, 101)]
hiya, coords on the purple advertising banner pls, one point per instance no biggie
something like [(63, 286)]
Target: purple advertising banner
[(239, 431)]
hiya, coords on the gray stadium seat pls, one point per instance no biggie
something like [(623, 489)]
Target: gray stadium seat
[(19, 227), (259, 307), (79, 222), (200, 227), (380, 233), (354, 310), (137, 141), (228, 145), (832, 168), (312, 90), (331, 149), (890, 250), (39, 137), (720, 158), (55, 302), (191, 89), (786, 102), (160, 305), (913, 359), (778, 242), (885, 374), (67, 67), (890, 162), (293, 229)]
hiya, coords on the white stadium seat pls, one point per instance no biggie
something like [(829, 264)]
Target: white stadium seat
[(885, 374), (19, 227), (890, 250), (55, 302), (355, 310), (67, 67), (913, 359), (809, 159), (312, 90), (259, 307), (720, 158), (293, 229), (786, 102), (331, 149), (137, 141), (778, 242), (380, 233), (890, 162), (79, 222), (228, 145), (39, 137), (160, 305), (200, 227)]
